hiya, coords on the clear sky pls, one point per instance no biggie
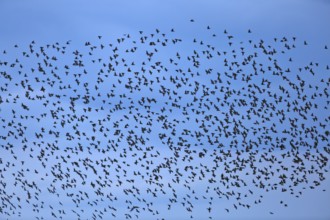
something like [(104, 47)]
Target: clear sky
[(71, 24)]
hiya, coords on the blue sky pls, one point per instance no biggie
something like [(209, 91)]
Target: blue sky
[(48, 22)]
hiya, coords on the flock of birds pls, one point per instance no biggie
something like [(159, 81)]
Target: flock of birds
[(148, 123)]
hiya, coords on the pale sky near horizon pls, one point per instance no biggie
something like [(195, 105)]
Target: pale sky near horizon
[(47, 22)]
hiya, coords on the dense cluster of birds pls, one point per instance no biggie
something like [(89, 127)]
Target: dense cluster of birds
[(148, 123)]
